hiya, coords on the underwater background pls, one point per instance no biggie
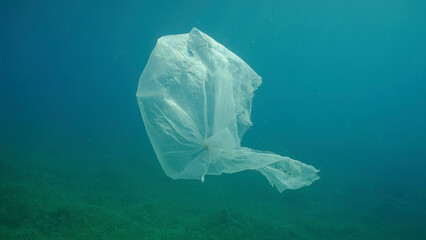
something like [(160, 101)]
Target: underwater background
[(344, 90)]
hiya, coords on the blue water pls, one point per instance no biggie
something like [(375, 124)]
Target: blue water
[(344, 90)]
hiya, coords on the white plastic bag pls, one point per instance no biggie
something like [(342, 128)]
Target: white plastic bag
[(195, 97)]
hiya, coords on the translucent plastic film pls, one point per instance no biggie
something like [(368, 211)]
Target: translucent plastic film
[(195, 97)]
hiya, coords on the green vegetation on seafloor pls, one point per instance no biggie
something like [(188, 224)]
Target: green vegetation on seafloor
[(47, 197)]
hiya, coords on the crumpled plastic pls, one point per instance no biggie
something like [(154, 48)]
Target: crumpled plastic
[(195, 97)]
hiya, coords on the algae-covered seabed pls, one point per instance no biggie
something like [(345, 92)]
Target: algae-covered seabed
[(97, 193)]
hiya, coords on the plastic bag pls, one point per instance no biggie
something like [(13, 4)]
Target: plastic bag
[(195, 97)]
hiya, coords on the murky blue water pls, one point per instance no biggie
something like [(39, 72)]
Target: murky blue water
[(344, 86)]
